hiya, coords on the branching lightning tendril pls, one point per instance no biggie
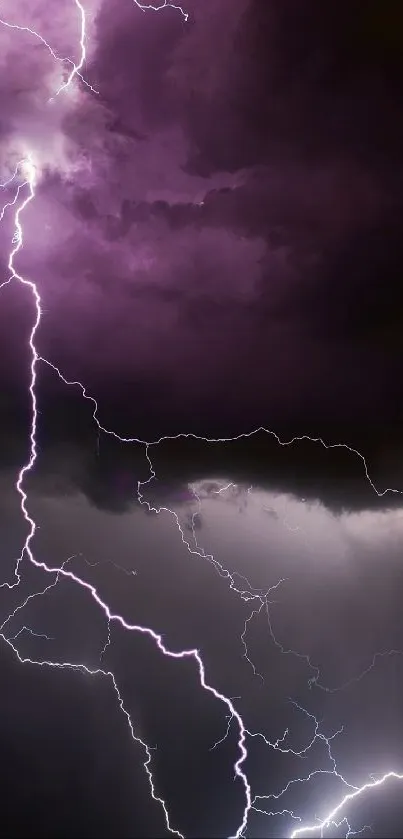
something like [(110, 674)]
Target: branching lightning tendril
[(24, 178)]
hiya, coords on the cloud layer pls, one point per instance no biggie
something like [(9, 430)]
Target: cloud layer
[(216, 232)]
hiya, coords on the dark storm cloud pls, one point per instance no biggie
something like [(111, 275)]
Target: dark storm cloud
[(74, 460), (219, 258), (296, 82), (215, 237), (214, 279)]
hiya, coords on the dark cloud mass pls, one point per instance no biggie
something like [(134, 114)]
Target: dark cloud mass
[(228, 215), (216, 237)]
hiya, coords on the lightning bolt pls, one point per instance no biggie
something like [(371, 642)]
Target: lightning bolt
[(350, 796), (194, 654), (26, 172), (165, 5), (30, 181), (75, 68)]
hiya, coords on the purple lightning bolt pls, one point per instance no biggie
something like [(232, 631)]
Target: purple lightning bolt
[(165, 5), (75, 68), (30, 178)]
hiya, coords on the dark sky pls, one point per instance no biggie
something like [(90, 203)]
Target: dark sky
[(216, 239)]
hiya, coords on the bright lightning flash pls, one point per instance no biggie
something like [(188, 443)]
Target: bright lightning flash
[(329, 821), (26, 176)]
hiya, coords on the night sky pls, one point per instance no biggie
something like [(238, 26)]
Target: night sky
[(205, 206)]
